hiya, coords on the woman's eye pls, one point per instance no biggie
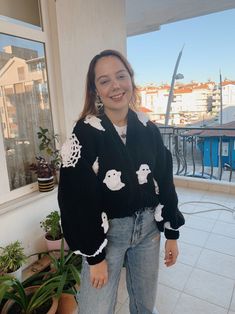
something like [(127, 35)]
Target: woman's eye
[(122, 76), (104, 82)]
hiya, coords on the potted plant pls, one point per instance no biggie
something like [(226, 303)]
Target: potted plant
[(12, 258), (68, 265), (45, 173), (53, 233), (31, 300), (48, 147), (48, 163), (47, 144)]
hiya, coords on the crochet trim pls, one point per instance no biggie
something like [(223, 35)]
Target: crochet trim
[(100, 249), (71, 151)]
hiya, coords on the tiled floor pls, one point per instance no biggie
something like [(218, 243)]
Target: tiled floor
[(203, 280)]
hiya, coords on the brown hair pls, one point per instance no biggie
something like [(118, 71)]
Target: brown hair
[(90, 98)]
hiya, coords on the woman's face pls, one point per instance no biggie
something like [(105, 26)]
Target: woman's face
[(113, 83)]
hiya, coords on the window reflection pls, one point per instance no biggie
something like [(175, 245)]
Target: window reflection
[(24, 104)]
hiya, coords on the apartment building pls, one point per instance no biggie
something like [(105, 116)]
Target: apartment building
[(191, 102)]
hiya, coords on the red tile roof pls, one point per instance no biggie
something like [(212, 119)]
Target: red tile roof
[(226, 82), (182, 91)]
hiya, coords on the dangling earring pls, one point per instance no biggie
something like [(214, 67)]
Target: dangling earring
[(98, 103)]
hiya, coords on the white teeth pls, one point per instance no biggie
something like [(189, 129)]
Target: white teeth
[(117, 96)]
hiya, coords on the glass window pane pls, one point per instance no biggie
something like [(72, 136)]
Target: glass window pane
[(22, 12), (24, 104)]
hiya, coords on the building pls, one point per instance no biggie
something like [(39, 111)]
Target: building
[(191, 103), (228, 101)]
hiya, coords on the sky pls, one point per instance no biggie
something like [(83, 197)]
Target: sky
[(209, 47), (7, 40), (208, 41)]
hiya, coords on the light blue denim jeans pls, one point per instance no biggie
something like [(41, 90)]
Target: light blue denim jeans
[(135, 242)]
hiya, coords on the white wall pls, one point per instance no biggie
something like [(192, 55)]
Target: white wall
[(84, 29), (22, 221)]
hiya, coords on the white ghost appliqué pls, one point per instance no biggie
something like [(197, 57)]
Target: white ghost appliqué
[(70, 151), (113, 180), (94, 122), (95, 166), (142, 117), (158, 213), (105, 222), (156, 187), (143, 173)]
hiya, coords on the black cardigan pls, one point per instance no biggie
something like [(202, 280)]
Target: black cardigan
[(101, 178)]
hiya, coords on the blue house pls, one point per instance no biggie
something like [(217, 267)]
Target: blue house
[(209, 144), (212, 144)]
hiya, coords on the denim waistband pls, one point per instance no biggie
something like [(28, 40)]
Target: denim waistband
[(152, 208)]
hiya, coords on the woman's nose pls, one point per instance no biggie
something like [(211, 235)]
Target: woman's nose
[(115, 83)]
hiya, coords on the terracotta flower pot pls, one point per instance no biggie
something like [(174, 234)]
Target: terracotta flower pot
[(30, 290), (67, 304), (46, 184)]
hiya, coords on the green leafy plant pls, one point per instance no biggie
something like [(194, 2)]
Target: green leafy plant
[(47, 145), (12, 289), (12, 257), (47, 164), (51, 225), (66, 264)]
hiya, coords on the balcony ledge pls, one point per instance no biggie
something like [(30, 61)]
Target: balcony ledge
[(205, 184)]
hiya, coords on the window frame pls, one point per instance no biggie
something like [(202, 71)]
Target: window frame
[(44, 36)]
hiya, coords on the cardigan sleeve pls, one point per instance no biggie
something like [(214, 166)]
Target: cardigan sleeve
[(83, 222), (170, 217)]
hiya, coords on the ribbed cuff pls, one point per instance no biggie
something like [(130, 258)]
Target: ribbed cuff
[(97, 259), (171, 234)]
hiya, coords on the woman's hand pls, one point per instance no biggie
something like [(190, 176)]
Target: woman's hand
[(171, 252), (99, 274)]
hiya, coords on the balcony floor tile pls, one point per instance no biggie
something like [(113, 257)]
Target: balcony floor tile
[(203, 280)]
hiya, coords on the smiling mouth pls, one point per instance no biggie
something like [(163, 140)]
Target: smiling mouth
[(117, 97)]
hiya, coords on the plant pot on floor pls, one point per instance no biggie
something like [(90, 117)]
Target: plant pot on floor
[(55, 244), (12, 258), (53, 236), (67, 304), (46, 184), (10, 306), (16, 274)]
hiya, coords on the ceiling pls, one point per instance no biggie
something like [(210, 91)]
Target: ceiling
[(143, 16)]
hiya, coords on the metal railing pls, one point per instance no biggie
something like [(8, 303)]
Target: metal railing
[(207, 153)]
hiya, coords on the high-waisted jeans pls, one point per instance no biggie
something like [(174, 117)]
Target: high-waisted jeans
[(135, 242)]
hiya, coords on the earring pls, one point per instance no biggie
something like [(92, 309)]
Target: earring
[(98, 102)]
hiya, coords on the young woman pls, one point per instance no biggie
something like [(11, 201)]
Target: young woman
[(116, 192)]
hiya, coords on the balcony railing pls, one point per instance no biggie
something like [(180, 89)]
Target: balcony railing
[(207, 153)]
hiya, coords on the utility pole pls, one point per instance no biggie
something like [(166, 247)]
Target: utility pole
[(171, 93), (221, 122), (221, 98)]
